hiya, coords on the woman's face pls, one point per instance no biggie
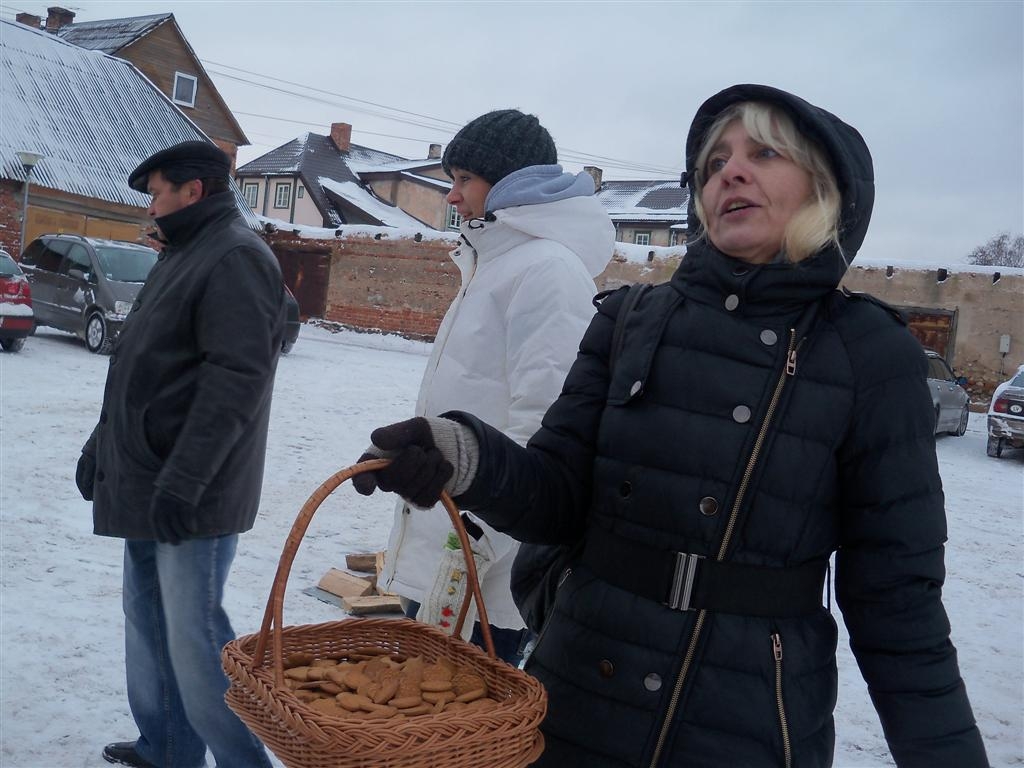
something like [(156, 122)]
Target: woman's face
[(750, 194), (469, 193)]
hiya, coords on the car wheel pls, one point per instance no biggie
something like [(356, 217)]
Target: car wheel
[(994, 447), (96, 337), (12, 345), (961, 428)]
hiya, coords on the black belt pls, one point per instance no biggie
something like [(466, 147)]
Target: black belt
[(686, 582)]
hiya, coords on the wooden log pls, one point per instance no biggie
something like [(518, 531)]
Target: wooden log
[(345, 584), (359, 606), (365, 562)]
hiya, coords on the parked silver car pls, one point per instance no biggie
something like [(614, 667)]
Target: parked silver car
[(86, 285), (950, 399), (1006, 415)]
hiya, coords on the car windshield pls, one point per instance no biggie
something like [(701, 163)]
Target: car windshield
[(126, 265), (8, 266)]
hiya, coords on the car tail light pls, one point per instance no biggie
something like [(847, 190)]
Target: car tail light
[(17, 291), (1005, 405)]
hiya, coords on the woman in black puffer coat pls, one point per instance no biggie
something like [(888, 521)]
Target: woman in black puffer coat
[(756, 422)]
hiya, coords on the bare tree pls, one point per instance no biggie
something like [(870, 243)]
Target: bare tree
[(1000, 251)]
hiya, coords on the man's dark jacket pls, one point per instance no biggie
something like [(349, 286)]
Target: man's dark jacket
[(187, 399), (704, 441)]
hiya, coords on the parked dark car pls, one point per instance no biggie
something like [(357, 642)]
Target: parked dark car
[(950, 399), (16, 316), (1006, 415), (86, 285), (292, 323)]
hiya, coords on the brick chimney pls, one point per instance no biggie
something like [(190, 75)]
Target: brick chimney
[(434, 153), (29, 20), (58, 17), (596, 174), (341, 135)]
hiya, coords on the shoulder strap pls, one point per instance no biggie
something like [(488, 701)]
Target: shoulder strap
[(633, 294)]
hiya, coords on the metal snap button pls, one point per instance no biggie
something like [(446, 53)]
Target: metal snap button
[(637, 386), (605, 668), (652, 682), (741, 414), (740, 271), (732, 301), (709, 506), (769, 338)]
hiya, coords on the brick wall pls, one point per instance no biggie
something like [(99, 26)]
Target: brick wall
[(396, 285), (10, 216), (400, 285)]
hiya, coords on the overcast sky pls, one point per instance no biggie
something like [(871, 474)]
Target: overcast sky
[(936, 88)]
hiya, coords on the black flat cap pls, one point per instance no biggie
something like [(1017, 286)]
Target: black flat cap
[(183, 162)]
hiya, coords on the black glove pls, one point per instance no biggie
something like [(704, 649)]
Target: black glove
[(418, 471), (85, 475), (168, 517)]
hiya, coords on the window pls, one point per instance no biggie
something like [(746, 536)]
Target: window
[(77, 258), (300, 192), (45, 254), (642, 238), (454, 220), (251, 192), (282, 195), (184, 89)]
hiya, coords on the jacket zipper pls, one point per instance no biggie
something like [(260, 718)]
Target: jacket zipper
[(566, 573), (783, 723), (790, 370)]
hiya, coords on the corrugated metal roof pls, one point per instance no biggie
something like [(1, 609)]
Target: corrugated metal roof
[(111, 35), (313, 156), (93, 117)]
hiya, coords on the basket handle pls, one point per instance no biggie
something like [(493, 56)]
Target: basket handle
[(272, 617)]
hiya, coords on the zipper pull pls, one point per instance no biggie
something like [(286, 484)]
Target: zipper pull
[(791, 363), (791, 355), (777, 646)]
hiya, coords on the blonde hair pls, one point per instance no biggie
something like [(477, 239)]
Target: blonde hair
[(816, 224)]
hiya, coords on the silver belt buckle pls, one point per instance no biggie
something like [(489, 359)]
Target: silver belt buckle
[(682, 581)]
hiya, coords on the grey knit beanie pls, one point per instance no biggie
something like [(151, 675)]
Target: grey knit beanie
[(494, 145)]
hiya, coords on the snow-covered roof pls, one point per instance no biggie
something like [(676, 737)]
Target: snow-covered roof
[(313, 156), (657, 200), (353, 194), (93, 117), (396, 165), (111, 35)]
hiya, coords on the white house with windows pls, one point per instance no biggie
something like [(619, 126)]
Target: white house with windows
[(326, 181)]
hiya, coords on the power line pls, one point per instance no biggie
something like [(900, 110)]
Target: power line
[(566, 152)]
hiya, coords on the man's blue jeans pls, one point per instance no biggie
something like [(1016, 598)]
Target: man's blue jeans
[(175, 628)]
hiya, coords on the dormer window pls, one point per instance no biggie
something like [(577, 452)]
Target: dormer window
[(184, 89)]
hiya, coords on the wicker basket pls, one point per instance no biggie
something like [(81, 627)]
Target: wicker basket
[(505, 736)]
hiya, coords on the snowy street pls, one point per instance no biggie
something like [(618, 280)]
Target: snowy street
[(62, 689)]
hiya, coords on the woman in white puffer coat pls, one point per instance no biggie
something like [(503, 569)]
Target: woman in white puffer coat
[(533, 240)]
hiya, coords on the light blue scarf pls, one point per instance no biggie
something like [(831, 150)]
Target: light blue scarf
[(537, 184)]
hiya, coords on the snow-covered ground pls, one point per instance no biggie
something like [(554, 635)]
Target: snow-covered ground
[(62, 693)]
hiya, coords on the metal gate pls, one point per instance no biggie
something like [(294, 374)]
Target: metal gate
[(306, 272), (934, 328)]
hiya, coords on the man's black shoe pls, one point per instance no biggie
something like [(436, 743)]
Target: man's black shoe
[(123, 753)]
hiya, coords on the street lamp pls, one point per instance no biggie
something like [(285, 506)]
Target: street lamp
[(28, 162)]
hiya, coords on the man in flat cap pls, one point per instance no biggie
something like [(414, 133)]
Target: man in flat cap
[(175, 464)]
